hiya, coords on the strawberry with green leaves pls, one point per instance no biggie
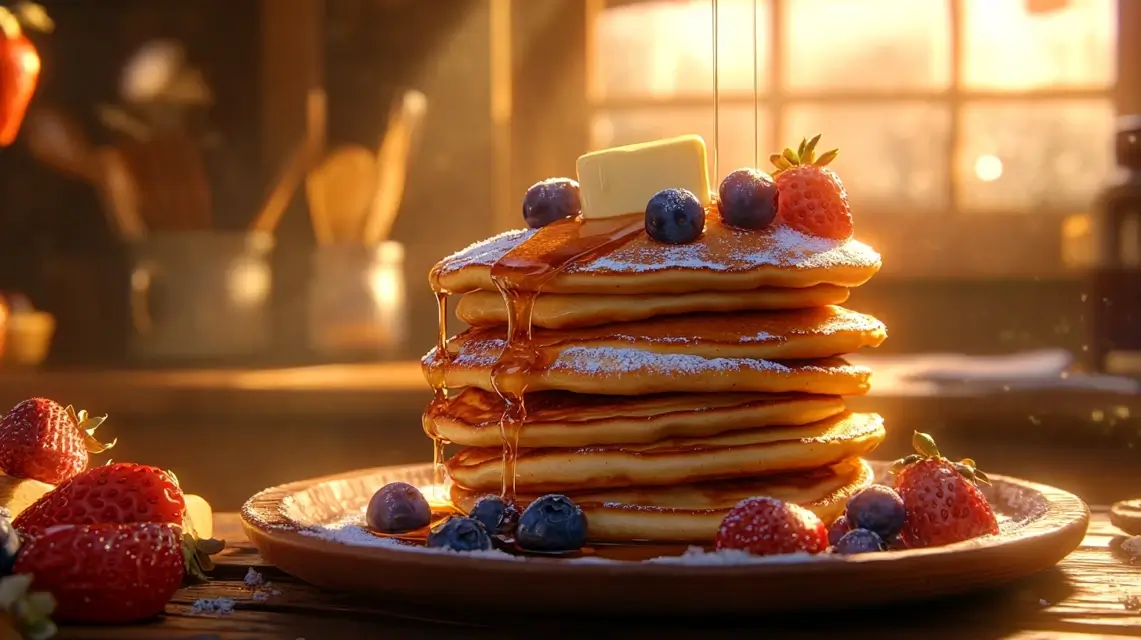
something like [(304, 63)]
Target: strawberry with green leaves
[(120, 493), (941, 497), (810, 197), (42, 440)]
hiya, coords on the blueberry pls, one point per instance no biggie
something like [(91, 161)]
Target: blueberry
[(398, 508), (494, 514), (675, 216), (551, 200), (748, 199), (460, 534), (859, 541), (879, 509), (9, 546), (552, 523), (837, 530)]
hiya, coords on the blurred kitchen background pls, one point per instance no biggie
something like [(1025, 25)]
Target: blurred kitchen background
[(218, 219)]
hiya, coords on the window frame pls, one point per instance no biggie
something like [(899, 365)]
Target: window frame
[(966, 240)]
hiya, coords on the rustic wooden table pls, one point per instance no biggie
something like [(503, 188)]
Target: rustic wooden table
[(1093, 593)]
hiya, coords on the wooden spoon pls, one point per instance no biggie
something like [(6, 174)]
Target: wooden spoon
[(341, 191)]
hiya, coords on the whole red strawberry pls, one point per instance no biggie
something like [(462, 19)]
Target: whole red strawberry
[(766, 526), (42, 440), (943, 503), (811, 198), (106, 573), (122, 492)]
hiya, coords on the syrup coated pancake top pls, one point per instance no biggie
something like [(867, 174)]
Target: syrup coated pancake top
[(723, 259)]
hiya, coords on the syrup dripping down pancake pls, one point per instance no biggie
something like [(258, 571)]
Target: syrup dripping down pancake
[(722, 259), (734, 454), (693, 512), (560, 311), (560, 419)]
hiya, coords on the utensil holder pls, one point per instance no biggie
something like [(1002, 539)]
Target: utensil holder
[(357, 301), (200, 296)]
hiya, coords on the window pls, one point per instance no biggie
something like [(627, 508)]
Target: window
[(938, 106)]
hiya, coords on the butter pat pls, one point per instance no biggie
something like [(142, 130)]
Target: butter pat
[(620, 181), (17, 494)]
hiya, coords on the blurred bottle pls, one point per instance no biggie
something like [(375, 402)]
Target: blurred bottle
[(1115, 291)]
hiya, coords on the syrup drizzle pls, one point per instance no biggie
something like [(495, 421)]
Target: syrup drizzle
[(520, 275), (438, 383)]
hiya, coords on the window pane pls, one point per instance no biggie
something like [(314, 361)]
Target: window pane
[(1021, 45), (665, 48), (893, 157), (867, 45), (736, 128), (1042, 156)]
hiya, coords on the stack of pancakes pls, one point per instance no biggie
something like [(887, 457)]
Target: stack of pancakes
[(674, 380)]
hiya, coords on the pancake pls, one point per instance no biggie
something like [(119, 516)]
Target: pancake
[(563, 311), (734, 454), (722, 259), (692, 513), (560, 419), (627, 372)]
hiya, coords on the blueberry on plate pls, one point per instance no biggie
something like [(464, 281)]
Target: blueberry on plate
[(9, 546), (459, 534), (859, 541), (550, 200), (877, 508), (398, 507), (837, 530), (675, 216), (748, 199), (551, 523), (495, 514)]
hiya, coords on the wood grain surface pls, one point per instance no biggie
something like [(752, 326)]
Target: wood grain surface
[(1092, 593)]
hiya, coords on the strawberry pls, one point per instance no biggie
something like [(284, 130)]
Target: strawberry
[(941, 498), (42, 440), (811, 198), (106, 573), (19, 65), (766, 526), (120, 493)]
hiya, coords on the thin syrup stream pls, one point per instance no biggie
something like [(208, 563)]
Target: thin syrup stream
[(716, 98), (438, 383), (756, 94)]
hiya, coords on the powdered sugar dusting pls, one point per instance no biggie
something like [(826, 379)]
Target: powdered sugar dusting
[(699, 557), (602, 361), (721, 249), (350, 530), (486, 252)]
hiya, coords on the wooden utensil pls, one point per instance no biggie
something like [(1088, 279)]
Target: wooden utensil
[(392, 164), (58, 141), (295, 168), (119, 190), (341, 190)]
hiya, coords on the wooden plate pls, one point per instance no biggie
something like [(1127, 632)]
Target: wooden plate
[(1041, 525)]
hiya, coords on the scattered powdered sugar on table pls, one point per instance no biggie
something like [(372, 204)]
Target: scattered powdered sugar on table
[(216, 606), (253, 579)]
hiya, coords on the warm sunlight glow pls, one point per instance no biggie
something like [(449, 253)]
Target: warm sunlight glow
[(988, 168)]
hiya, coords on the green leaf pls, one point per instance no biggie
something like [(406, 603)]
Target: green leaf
[(808, 154), (826, 158), (925, 445), (791, 157), (778, 161), (970, 463), (801, 148), (982, 477)]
